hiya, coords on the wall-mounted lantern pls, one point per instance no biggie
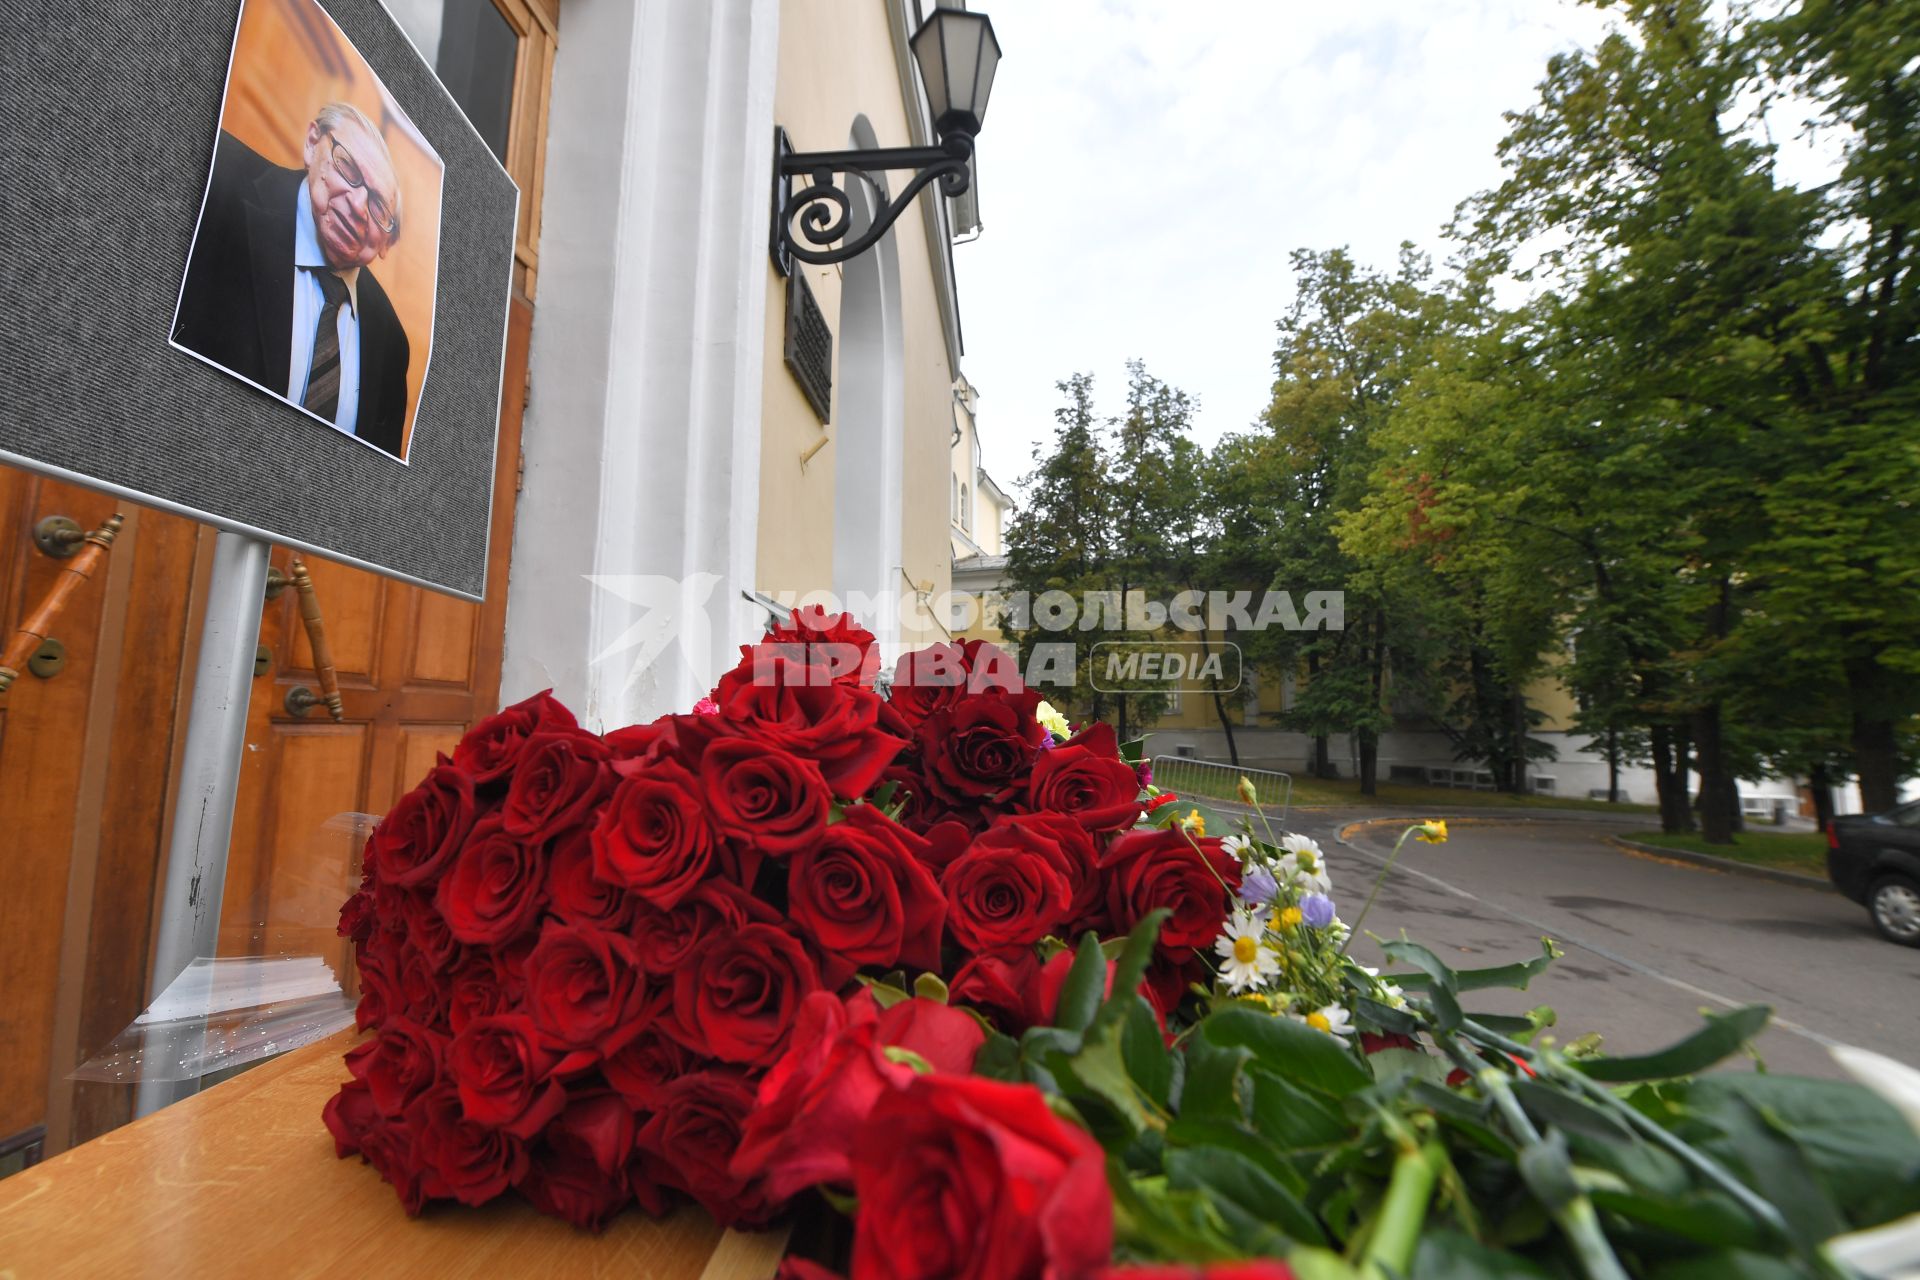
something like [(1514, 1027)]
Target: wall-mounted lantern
[(958, 55)]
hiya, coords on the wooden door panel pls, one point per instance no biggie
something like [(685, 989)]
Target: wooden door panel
[(352, 601), (167, 550), (421, 745), (443, 641), (42, 744)]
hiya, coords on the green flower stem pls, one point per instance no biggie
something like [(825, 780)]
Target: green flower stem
[(1696, 1160), (1396, 1229), (1577, 1218), (1354, 930)]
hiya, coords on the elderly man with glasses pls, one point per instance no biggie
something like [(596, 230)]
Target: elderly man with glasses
[(278, 288)]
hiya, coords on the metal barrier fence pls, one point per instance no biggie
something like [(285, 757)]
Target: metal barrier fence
[(1185, 775)]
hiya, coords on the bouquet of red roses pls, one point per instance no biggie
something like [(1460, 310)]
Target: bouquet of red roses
[(754, 949)]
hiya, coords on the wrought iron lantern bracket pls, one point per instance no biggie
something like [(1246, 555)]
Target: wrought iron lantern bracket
[(823, 209)]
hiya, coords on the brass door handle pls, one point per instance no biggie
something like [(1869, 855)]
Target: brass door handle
[(32, 634), (317, 641)]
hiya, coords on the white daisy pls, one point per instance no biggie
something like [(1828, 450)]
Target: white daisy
[(1246, 961), (1238, 846), (1303, 862), (1334, 1020)]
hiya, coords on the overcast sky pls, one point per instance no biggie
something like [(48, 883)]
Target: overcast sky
[(1147, 165)]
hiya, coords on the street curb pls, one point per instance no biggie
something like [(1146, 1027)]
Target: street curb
[(1705, 861), (1709, 862)]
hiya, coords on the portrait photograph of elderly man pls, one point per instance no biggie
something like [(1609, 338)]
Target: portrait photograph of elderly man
[(305, 276)]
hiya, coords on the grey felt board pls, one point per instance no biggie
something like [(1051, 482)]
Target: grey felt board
[(108, 113)]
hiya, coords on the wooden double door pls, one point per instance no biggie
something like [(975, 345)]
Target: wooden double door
[(89, 755)]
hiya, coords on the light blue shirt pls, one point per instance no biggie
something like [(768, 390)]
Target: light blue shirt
[(308, 299)]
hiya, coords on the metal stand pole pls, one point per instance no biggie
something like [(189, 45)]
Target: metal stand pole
[(196, 871)]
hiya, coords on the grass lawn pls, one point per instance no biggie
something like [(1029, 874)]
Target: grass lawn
[(1804, 851), (1346, 791)]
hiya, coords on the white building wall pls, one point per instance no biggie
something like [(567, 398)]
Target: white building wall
[(635, 533)]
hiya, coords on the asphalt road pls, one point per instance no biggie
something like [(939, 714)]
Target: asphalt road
[(1648, 944)]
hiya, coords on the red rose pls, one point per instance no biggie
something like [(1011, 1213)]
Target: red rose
[(1066, 845), (423, 987), (1003, 987), (641, 1069), (491, 750), (737, 998), (582, 1172), (567, 1186), (958, 1175), (488, 981), (653, 836), (357, 917), (1373, 1042), (425, 928), (1150, 869), (471, 1162), (384, 1142), (1003, 896), (798, 708), (668, 939), (812, 1101), (577, 895), (865, 896), (1085, 778), (505, 1075), (584, 985), (347, 1115), (496, 888), (378, 964), (417, 839), (768, 800), (561, 777), (981, 749), (932, 679), (690, 1140), (833, 640), (399, 1064)]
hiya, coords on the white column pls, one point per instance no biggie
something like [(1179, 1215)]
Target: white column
[(642, 431)]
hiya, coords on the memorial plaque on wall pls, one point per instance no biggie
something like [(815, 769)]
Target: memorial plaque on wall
[(257, 272)]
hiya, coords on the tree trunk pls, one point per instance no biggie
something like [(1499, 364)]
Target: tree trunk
[(1613, 765), (1821, 785), (1121, 716), (1368, 739), (1719, 805), (1517, 765), (1322, 758), (1219, 699), (1876, 762), (1670, 779), (1369, 745)]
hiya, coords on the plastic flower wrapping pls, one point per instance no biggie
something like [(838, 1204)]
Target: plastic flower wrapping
[(914, 963)]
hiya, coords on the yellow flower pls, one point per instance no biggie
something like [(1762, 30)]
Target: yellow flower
[(1432, 831), (1247, 793), (1288, 919), (1052, 721), (1194, 823)]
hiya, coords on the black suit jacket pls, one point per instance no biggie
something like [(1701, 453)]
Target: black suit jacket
[(237, 305)]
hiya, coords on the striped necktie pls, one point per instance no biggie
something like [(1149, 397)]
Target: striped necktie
[(323, 382)]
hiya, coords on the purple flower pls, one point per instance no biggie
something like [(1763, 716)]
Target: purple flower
[(1144, 771), (1257, 886), (1317, 910)]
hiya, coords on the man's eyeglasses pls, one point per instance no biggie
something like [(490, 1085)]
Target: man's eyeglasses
[(349, 171)]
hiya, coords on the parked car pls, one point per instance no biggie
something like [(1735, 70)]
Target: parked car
[(1875, 860)]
